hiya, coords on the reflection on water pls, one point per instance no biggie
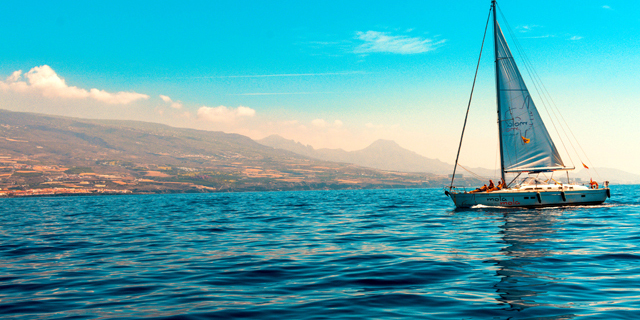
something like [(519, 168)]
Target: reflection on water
[(524, 281), (370, 254)]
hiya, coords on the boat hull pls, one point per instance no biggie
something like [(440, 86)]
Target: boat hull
[(530, 199)]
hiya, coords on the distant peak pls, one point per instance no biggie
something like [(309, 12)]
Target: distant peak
[(274, 137), (386, 143)]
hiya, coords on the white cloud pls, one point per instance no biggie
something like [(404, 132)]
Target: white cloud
[(245, 112), (527, 28), (15, 76), (45, 81), (175, 105), (575, 38), (224, 114), (606, 7), (320, 123), (540, 37), (375, 41), (337, 123)]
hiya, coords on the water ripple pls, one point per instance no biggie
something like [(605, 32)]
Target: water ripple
[(381, 254)]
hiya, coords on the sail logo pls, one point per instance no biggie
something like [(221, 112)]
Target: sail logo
[(517, 124)]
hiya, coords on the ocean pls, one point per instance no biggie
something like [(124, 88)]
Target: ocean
[(366, 254)]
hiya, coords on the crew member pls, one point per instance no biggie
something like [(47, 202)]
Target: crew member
[(481, 189), (491, 186)]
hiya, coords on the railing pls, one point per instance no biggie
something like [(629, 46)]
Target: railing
[(454, 189)]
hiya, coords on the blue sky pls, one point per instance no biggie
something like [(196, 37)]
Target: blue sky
[(329, 74)]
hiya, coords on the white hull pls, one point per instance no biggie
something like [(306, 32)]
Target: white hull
[(532, 199)]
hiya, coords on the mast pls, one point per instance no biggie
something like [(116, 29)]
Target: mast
[(495, 44)]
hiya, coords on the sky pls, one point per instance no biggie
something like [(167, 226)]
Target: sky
[(331, 74)]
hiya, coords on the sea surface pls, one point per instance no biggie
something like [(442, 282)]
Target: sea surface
[(372, 254)]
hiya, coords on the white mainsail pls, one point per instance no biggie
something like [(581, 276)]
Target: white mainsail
[(526, 144)]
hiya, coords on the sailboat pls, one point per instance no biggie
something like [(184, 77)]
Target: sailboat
[(525, 148)]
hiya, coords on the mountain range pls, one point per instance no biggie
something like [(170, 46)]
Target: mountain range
[(37, 151), (381, 154), (388, 155)]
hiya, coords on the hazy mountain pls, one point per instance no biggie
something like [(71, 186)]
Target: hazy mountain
[(382, 154), (278, 142), (37, 150), (614, 176), (388, 155)]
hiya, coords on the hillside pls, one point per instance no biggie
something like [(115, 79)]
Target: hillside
[(38, 151), (68, 140)]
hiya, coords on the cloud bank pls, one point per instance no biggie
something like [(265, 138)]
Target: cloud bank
[(375, 41), (224, 114), (173, 104), (44, 81)]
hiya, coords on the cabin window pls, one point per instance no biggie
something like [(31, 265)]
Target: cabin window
[(583, 196), (526, 197)]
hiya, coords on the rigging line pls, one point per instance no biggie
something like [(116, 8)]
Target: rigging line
[(474, 174), (580, 146), (514, 179), (529, 66), (469, 105), (552, 105), (560, 116), (545, 95)]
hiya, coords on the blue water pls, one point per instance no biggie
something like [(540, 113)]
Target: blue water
[(374, 254)]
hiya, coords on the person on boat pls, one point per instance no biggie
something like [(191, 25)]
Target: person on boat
[(481, 189), (501, 185), (491, 186)]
